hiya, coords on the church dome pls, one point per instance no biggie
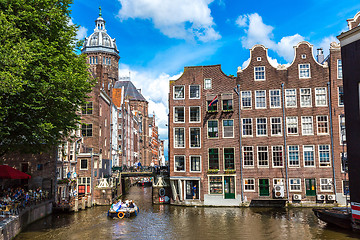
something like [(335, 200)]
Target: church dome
[(99, 40)]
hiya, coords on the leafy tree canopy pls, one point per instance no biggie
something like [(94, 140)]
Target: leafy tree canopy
[(42, 80)]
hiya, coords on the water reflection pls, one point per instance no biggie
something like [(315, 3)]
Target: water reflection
[(172, 222)]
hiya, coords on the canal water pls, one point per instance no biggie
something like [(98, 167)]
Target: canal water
[(172, 222)]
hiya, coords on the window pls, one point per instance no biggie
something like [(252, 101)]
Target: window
[(295, 184), (322, 125), (86, 130), (304, 70), (213, 158), (341, 95), (320, 97), (87, 108), (207, 83), (307, 125), (326, 184), (83, 164), (215, 184), (324, 155), (344, 162), (249, 185), (194, 137), (342, 129), (212, 105), (292, 125), (275, 99), (179, 114), (263, 157), (345, 187), (293, 155), (305, 97), (247, 127), (228, 128), (309, 156), (213, 129), (40, 167), (290, 98), (303, 56), (246, 99), (227, 105), (277, 156), (179, 92), (275, 126), (229, 159), (179, 163), (194, 92), (260, 99), (179, 135), (195, 164), (261, 127), (194, 114), (339, 69), (248, 156), (259, 73)]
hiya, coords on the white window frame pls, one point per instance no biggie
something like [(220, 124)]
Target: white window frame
[(302, 125), (253, 157), (223, 130), (339, 104), (329, 149), (242, 128), (266, 128), (175, 163), (174, 131), (287, 96), (313, 151), (339, 67), (259, 69), (298, 155), (174, 113), (206, 85), (87, 164), (247, 107), (302, 103), (278, 181), (174, 96), (297, 126), (223, 150), (272, 156), (308, 68), (199, 114), (297, 184), (328, 183), (317, 97), (254, 184), (190, 137), (342, 141), (271, 95), (190, 92), (257, 157), (271, 126), (207, 129), (256, 96), (191, 163), (318, 122)]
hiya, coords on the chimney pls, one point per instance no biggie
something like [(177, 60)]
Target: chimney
[(320, 55)]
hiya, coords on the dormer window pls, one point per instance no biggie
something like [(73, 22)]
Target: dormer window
[(258, 59), (207, 83), (304, 70), (259, 73)]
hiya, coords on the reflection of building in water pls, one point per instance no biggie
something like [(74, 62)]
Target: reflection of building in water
[(290, 145)]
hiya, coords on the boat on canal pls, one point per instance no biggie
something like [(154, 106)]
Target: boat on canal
[(340, 217), (123, 210)]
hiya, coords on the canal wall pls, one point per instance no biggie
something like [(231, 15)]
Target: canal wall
[(13, 225)]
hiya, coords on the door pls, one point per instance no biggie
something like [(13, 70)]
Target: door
[(310, 185), (229, 187), (264, 187)]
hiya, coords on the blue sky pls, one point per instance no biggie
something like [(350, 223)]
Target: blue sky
[(158, 38)]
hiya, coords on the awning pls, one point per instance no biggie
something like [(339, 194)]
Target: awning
[(7, 172)]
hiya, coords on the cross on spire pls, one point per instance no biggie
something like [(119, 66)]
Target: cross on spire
[(100, 12)]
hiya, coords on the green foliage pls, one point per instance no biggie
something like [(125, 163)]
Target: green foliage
[(42, 80)]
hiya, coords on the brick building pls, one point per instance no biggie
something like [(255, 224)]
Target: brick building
[(287, 148)]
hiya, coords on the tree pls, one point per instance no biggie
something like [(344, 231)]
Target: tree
[(42, 79)]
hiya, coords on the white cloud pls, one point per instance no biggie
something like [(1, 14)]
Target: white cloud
[(155, 88), (325, 44), (183, 19), (257, 32), (81, 32)]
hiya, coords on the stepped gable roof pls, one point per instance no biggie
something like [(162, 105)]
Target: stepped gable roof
[(130, 91)]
